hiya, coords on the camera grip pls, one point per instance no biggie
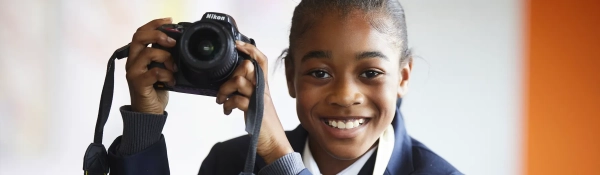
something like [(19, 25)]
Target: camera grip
[(158, 85), (167, 30)]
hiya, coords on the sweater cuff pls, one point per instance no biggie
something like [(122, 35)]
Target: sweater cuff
[(140, 130), (289, 164)]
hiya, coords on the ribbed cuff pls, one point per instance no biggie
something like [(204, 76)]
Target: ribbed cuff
[(140, 130), (289, 164)]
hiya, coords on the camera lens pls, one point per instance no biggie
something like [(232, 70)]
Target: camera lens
[(208, 52), (204, 45), (206, 48)]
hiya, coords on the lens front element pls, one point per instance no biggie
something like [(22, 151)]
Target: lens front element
[(205, 48), (204, 45)]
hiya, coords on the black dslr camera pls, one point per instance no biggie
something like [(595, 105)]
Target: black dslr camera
[(205, 53), (206, 57)]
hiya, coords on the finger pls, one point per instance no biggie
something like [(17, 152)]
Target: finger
[(235, 84), (141, 39), (245, 69), (134, 47), (236, 101), (149, 55), (152, 76), (152, 36), (170, 64), (152, 25), (255, 54)]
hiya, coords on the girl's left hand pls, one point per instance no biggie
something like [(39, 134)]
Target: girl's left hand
[(272, 141)]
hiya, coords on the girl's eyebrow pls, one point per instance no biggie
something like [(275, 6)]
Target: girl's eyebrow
[(321, 54), (318, 54), (371, 54)]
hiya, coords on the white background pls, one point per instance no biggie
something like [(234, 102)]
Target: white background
[(464, 100)]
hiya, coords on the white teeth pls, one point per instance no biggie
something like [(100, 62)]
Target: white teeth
[(350, 125), (341, 125), (345, 124)]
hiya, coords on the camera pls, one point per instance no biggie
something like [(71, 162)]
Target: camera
[(205, 53)]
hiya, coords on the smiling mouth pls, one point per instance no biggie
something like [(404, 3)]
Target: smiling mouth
[(346, 123)]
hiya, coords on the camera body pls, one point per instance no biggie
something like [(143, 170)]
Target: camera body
[(205, 53)]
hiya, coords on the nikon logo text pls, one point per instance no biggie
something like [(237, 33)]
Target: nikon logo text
[(213, 16)]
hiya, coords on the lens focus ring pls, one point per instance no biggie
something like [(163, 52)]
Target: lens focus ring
[(226, 69)]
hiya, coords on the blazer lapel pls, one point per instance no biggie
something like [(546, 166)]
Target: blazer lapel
[(369, 166), (297, 138), (401, 160)]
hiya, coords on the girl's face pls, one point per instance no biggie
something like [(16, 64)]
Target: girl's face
[(346, 77)]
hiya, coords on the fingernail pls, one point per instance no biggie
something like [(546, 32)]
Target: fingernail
[(167, 19), (170, 40), (174, 67), (218, 101), (240, 43)]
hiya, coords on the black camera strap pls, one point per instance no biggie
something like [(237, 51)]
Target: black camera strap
[(95, 161), (254, 119)]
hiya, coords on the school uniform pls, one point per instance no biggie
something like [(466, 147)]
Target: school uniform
[(401, 155)]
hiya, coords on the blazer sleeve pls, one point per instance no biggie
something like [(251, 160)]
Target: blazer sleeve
[(290, 164), (229, 158), (151, 161), (142, 148)]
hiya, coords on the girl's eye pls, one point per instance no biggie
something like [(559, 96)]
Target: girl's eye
[(370, 74), (320, 74)]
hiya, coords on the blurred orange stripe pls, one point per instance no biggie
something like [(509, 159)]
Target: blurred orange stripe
[(563, 87)]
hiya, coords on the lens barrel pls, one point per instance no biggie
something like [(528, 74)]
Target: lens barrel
[(207, 49)]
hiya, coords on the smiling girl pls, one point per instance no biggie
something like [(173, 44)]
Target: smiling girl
[(347, 66)]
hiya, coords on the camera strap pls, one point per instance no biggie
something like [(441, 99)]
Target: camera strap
[(254, 118), (95, 161)]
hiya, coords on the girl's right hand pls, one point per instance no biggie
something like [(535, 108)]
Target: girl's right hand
[(144, 98)]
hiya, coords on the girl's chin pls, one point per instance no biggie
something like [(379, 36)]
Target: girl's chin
[(346, 152)]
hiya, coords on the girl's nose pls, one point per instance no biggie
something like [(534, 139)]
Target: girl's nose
[(345, 94)]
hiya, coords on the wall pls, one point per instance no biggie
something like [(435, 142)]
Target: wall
[(464, 101), (465, 97)]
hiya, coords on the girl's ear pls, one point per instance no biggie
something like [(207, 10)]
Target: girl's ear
[(404, 77), (290, 75)]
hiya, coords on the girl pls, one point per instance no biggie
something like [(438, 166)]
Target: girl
[(347, 65)]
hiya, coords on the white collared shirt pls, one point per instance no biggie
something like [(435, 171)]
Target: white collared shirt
[(311, 164)]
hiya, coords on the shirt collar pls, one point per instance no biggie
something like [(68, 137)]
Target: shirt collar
[(311, 164)]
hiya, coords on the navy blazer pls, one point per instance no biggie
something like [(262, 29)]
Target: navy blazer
[(408, 157)]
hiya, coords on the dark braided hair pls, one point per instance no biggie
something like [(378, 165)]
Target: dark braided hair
[(390, 20)]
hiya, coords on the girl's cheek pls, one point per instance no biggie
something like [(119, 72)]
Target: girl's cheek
[(305, 95), (307, 86)]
